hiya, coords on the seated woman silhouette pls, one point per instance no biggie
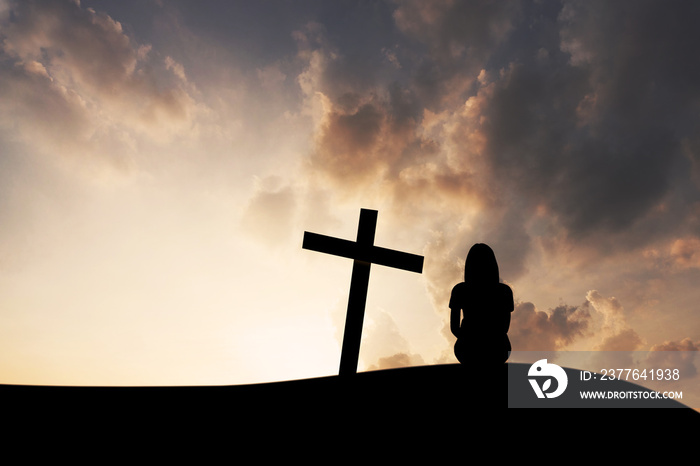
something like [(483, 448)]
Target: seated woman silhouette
[(482, 336)]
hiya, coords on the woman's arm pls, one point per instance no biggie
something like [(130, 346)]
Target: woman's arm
[(508, 305), (456, 308), (455, 316)]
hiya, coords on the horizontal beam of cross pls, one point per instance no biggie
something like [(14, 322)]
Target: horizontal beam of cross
[(363, 253)]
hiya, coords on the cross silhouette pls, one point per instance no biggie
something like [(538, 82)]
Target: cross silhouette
[(364, 253)]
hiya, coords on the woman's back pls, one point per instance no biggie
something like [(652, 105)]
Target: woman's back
[(486, 308), (485, 305)]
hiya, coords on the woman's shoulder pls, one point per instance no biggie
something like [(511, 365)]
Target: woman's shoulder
[(459, 287), (503, 288), (458, 292), (464, 287)]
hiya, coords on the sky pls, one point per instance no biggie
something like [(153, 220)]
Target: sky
[(160, 161)]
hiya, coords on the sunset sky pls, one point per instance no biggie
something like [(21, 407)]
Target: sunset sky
[(160, 161)]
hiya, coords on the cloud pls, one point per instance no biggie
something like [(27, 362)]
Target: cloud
[(36, 106), (686, 344), (640, 99), (533, 330), (443, 23), (685, 252), (397, 360), (351, 139), (270, 212), (459, 38), (625, 340), (599, 320), (381, 337), (75, 82), (612, 329), (270, 76), (679, 355)]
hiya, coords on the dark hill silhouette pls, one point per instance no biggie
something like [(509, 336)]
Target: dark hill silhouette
[(388, 394), (444, 408), (395, 411), (436, 391)]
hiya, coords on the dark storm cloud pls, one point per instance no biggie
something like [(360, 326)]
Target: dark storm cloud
[(641, 103), (458, 38), (584, 112), (352, 139), (590, 122)]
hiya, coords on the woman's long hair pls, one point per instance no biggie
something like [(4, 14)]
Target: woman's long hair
[(481, 266)]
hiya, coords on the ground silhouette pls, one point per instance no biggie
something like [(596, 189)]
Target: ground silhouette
[(444, 391)]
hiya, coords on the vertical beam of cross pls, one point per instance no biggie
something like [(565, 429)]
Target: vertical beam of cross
[(364, 253), (359, 283)]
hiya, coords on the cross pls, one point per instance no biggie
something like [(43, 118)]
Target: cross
[(364, 253)]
